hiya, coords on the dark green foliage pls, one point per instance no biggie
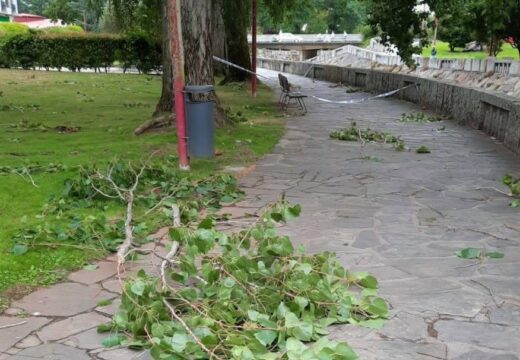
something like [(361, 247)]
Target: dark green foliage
[(399, 25), (487, 22), (514, 185), (423, 149), (454, 32), (353, 133), (474, 253), (319, 16), (160, 186), (80, 51), (419, 117), (236, 37), (249, 295)]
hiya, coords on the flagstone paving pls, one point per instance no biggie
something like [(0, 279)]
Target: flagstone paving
[(398, 215)]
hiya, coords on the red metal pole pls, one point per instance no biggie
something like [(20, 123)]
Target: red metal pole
[(177, 53), (253, 47)]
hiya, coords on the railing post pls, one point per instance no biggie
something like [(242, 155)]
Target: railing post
[(490, 64)]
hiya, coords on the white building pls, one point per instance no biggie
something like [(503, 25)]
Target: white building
[(8, 8)]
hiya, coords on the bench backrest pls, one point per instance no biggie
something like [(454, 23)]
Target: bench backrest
[(284, 83)]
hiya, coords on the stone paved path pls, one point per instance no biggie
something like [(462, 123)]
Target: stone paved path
[(400, 218)]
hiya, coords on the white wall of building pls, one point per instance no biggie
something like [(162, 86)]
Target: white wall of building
[(9, 7)]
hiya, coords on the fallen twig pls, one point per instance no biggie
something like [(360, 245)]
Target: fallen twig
[(12, 325), (187, 328), (175, 245)]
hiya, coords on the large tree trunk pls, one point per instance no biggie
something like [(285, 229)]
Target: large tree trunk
[(196, 17), (236, 20), (219, 36), (197, 39), (166, 101)]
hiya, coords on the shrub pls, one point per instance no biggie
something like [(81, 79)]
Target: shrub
[(76, 51), (8, 31), (63, 30)]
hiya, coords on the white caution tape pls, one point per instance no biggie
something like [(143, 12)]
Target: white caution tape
[(238, 67), (343, 102), (358, 101)]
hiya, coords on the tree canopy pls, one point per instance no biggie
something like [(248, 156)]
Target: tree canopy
[(312, 16), (488, 22)]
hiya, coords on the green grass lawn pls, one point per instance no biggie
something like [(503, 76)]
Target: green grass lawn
[(107, 108), (443, 52)]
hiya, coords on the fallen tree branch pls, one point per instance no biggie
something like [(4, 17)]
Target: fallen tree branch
[(155, 123), (176, 215), (187, 328), (12, 325)]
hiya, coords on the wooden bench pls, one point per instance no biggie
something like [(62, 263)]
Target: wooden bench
[(287, 95)]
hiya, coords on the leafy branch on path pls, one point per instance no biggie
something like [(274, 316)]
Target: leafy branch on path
[(246, 295)]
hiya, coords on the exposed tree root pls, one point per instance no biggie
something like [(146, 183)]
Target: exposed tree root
[(157, 122)]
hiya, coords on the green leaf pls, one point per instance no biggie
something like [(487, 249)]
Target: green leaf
[(90, 267), (301, 302), (111, 341), (294, 348), (179, 341), (423, 150), (20, 249), (207, 223), (226, 199), (105, 302), (252, 315), (305, 268), (495, 255), (104, 328), (242, 353), (138, 288), (373, 323), (282, 311), (378, 307), (367, 281), (301, 330), (121, 319), (229, 282), (266, 337), (469, 253), (158, 330)]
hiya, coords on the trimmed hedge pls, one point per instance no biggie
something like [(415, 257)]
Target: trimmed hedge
[(8, 31), (76, 51)]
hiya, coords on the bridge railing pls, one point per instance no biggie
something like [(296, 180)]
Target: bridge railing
[(491, 65)]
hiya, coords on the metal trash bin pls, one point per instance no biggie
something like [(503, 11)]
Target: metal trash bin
[(200, 122)]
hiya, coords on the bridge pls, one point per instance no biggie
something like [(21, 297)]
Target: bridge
[(299, 47)]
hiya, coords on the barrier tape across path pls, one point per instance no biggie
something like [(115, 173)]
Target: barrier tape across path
[(342, 102)]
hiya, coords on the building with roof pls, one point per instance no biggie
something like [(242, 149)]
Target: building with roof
[(37, 21)]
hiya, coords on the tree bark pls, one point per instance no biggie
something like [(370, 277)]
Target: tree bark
[(196, 17), (236, 21), (166, 101), (219, 36), (197, 31)]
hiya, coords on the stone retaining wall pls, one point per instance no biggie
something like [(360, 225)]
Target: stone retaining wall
[(496, 114)]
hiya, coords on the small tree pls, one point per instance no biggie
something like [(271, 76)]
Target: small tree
[(513, 24)]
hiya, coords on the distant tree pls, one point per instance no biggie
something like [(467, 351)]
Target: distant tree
[(312, 16), (399, 22), (512, 32), (451, 17), (32, 6), (235, 37), (344, 15), (488, 22), (84, 12), (62, 10)]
